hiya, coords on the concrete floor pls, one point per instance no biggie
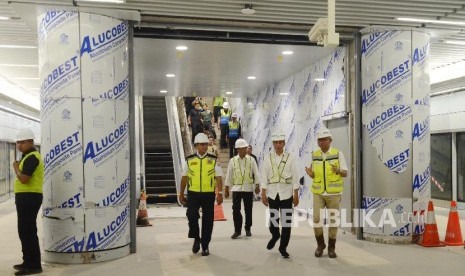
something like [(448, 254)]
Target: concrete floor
[(165, 250)]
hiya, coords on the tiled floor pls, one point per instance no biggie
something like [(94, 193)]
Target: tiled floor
[(165, 250)]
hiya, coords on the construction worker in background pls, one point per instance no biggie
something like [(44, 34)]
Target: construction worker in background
[(280, 186), (327, 170), (28, 198), (217, 105), (206, 116), (243, 176), (234, 133), (224, 120), (212, 149), (202, 174)]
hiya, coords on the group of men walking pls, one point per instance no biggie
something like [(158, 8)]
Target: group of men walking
[(279, 184)]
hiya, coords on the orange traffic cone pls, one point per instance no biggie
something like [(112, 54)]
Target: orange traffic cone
[(430, 237), (142, 216), (219, 214), (453, 233)]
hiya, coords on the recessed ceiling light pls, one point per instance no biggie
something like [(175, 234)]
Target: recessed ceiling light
[(283, 93), (229, 93), (456, 42), (18, 65), (181, 48), (170, 75), (288, 52), (248, 9), (433, 21), (21, 78), (320, 79), (105, 1), (251, 77), (163, 91), (4, 18), (17, 46)]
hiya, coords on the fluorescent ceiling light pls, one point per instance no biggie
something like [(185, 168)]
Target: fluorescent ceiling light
[(170, 75), (287, 53), (229, 93), (423, 20), (4, 18), (18, 65), (27, 78), (105, 1), (283, 93), (251, 77), (320, 79), (181, 48), (456, 42), (163, 91), (17, 46)]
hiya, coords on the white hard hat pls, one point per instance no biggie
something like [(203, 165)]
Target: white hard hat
[(201, 138), (25, 134), (241, 143), (234, 115), (278, 136), (225, 105), (324, 133)]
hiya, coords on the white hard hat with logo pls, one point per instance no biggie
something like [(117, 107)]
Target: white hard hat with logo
[(278, 135), (324, 133), (201, 138), (25, 134), (225, 105), (241, 143), (234, 115)]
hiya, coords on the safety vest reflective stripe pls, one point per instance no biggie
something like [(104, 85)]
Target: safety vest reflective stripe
[(325, 179), (225, 117), (240, 177), (278, 171), (201, 173), (35, 183)]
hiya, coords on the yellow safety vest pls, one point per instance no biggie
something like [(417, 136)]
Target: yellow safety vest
[(201, 173), (325, 179), (238, 177), (35, 183), (278, 171), (225, 117)]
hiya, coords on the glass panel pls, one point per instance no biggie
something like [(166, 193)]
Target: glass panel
[(441, 166), (12, 171), (461, 166), (4, 169)]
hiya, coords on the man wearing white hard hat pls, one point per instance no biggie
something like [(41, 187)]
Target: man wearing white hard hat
[(202, 174), (28, 198), (225, 117), (243, 176), (327, 170), (234, 133), (280, 186)]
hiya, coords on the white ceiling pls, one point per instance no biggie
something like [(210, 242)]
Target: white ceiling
[(272, 16), (210, 68)]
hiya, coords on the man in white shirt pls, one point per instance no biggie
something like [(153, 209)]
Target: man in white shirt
[(280, 186), (202, 174), (243, 176), (327, 170)]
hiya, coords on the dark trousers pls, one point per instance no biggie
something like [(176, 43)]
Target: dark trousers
[(216, 113), (284, 208), (237, 197), (224, 132), (27, 208), (196, 200), (232, 148), (196, 129)]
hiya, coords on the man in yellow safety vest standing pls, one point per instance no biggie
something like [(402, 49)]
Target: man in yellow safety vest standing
[(280, 186), (327, 170), (202, 174), (28, 198), (243, 176)]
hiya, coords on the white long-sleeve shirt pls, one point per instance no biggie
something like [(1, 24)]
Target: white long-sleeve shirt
[(243, 162), (284, 190)]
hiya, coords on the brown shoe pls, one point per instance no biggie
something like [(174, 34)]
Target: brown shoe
[(332, 248), (321, 246)]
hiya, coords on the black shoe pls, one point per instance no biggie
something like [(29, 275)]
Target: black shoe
[(19, 266), (205, 252), (196, 246), (28, 271), (248, 233), (235, 235), (284, 253), (272, 242)]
